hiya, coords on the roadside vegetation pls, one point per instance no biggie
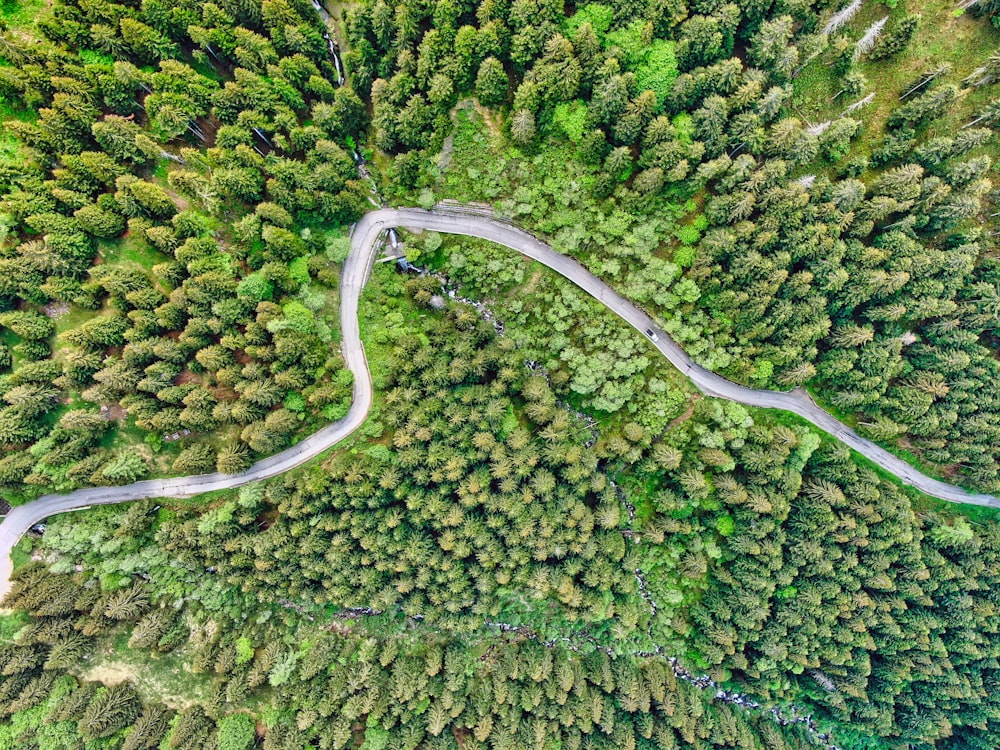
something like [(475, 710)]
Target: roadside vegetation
[(167, 302), (474, 507), (541, 537), (820, 174)]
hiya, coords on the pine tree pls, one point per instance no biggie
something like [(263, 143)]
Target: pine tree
[(896, 39), (149, 729), (127, 604), (110, 710)]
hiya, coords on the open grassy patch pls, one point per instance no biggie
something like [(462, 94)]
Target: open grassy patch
[(73, 318), (11, 623), (384, 316), (157, 677), (10, 148), (21, 554), (17, 16), (130, 250), (10, 339), (21, 14), (963, 41)]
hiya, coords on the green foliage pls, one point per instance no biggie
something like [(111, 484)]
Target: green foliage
[(896, 39), (283, 670), (338, 248), (688, 235), (295, 317), (27, 324), (598, 16), (572, 118), (298, 269), (219, 516), (656, 69), (491, 82), (124, 468), (295, 402), (100, 223), (255, 288), (244, 650), (11, 624), (235, 732)]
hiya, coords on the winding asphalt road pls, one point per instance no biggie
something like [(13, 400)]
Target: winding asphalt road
[(473, 223)]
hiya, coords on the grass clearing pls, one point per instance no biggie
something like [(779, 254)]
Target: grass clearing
[(11, 623), (21, 14), (964, 41), (129, 250), (10, 339), (384, 317), (10, 147), (157, 677), (75, 317), (17, 17)]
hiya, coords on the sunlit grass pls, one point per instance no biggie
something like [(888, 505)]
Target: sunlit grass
[(16, 16), (130, 251), (964, 41)]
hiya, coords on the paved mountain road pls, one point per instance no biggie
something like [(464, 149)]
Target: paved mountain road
[(457, 220)]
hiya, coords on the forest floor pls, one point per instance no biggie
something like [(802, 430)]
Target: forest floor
[(157, 677), (17, 16), (944, 36), (130, 252)]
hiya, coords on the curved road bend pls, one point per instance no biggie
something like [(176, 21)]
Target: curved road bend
[(353, 279)]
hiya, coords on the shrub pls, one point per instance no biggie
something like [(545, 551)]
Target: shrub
[(235, 732)]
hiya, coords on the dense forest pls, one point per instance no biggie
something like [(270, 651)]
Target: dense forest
[(541, 537), (350, 685), (849, 249), (170, 246), (352, 604), (745, 547)]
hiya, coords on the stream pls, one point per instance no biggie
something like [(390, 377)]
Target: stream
[(782, 715), (331, 45)]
